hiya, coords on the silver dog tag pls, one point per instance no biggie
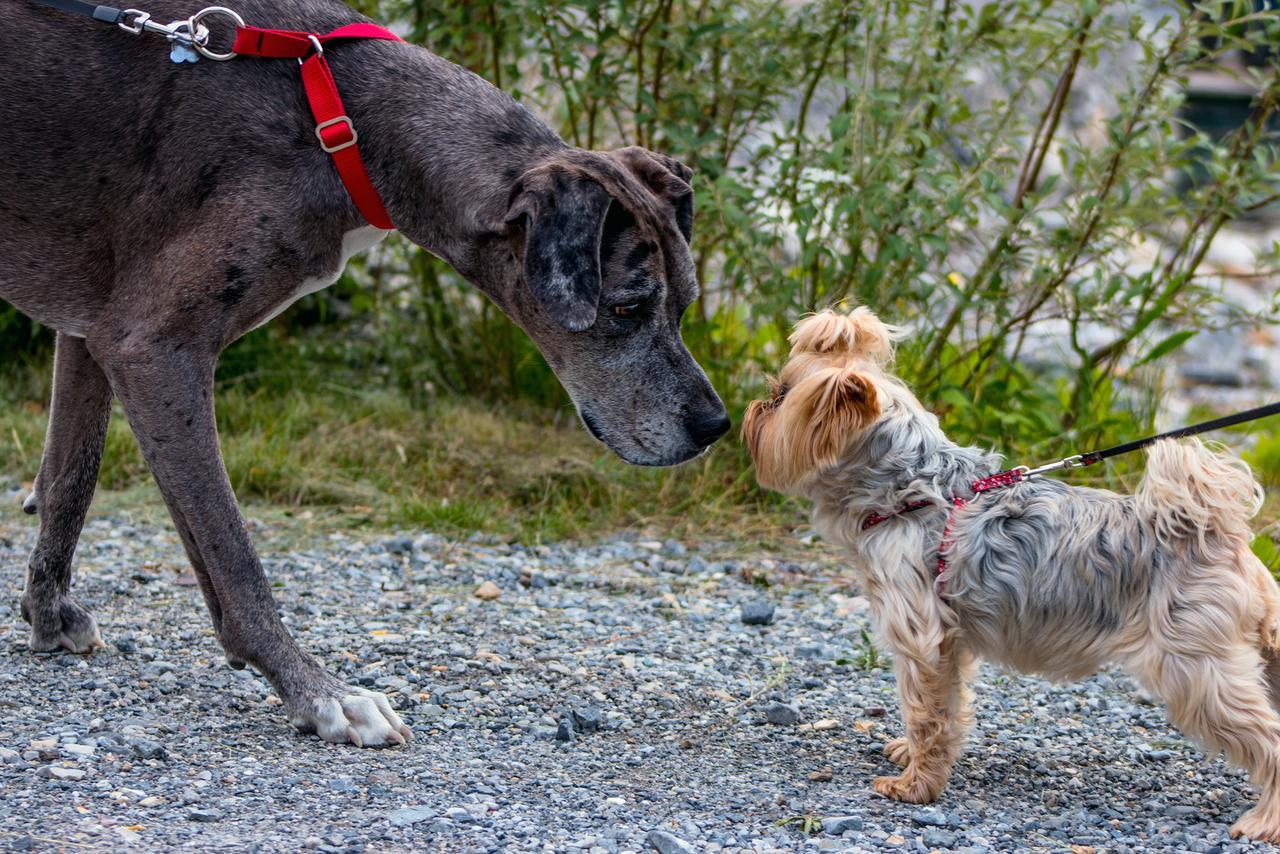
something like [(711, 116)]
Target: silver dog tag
[(181, 53), (179, 32)]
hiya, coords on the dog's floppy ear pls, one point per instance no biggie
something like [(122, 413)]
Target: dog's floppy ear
[(810, 426), (562, 216), (830, 407), (669, 179), (858, 333)]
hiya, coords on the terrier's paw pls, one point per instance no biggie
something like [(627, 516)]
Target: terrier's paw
[(65, 625), (1259, 825), (359, 716), (897, 752), (909, 787)]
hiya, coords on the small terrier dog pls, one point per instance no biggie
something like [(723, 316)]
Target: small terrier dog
[(1036, 575)]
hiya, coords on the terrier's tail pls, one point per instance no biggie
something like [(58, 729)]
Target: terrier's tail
[(1199, 497), (1200, 502)]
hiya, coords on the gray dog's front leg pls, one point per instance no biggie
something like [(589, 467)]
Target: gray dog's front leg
[(167, 395), (78, 419)]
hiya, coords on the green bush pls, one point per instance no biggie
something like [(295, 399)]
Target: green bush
[(844, 152)]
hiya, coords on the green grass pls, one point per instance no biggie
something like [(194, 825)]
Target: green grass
[(369, 454)]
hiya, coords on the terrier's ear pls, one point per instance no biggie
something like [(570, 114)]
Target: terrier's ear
[(858, 333), (811, 426), (830, 408)]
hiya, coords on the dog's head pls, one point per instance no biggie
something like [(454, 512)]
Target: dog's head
[(824, 396), (600, 243)]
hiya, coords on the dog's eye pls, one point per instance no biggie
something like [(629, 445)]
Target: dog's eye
[(628, 310)]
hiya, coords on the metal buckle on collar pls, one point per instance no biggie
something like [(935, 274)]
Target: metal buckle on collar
[(340, 120)]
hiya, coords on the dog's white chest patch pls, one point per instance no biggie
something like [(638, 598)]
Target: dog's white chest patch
[(353, 243)]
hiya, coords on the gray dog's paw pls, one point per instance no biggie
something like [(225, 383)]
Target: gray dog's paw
[(64, 626), (359, 716)]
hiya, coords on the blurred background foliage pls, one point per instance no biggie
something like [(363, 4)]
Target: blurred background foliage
[(997, 177)]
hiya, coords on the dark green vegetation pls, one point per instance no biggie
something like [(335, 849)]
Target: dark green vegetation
[(929, 159)]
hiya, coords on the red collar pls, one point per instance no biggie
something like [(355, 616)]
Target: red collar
[(334, 129), (999, 480)]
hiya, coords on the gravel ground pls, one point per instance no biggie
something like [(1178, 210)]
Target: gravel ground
[(610, 698)]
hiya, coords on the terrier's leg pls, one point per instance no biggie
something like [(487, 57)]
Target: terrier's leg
[(68, 475), (931, 671), (1221, 700)]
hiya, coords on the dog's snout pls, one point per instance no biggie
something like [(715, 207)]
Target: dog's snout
[(706, 429)]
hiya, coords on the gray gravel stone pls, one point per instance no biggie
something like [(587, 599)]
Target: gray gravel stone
[(587, 719), (409, 816), (757, 613), (837, 825), (668, 843), (936, 838), (782, 714)]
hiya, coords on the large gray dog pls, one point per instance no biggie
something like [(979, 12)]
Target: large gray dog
[(152, 213)]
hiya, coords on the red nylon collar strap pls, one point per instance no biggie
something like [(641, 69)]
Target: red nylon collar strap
[(999, 480), (334, 129)]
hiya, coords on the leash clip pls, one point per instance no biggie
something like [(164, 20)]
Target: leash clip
[(1073, 462), (134, 21)]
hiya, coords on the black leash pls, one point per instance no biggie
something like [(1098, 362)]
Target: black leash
[(1081, 460), (1203, 427), (105, 14)]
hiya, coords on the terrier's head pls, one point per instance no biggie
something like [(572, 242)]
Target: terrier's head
[(822, 399)]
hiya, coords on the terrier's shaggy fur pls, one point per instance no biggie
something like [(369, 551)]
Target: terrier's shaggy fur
[(1040, 576)]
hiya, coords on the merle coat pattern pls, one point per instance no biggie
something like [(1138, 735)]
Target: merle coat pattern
[(153, 213)]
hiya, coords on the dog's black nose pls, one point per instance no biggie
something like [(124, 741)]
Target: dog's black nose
[(705, 431)]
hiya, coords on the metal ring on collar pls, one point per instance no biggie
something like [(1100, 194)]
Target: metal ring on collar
[(194, 23)]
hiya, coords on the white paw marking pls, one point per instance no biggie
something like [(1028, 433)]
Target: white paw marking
[(363, 718)]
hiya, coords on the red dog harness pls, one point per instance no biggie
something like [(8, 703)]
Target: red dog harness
[(998, 480), (334, 129)]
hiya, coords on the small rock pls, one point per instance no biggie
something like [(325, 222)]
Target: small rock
[(586, 720), (821, 726), (145, 748), (488, 591), (822, 775), (564, 732), (930, 818), (151, 801), (408, 816), (757, 613), (57, 772), (457, 814), (936, 838), (1181, 811), (204, 815), (399, 546), (837, 825), (782, 714), (668, 843)]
